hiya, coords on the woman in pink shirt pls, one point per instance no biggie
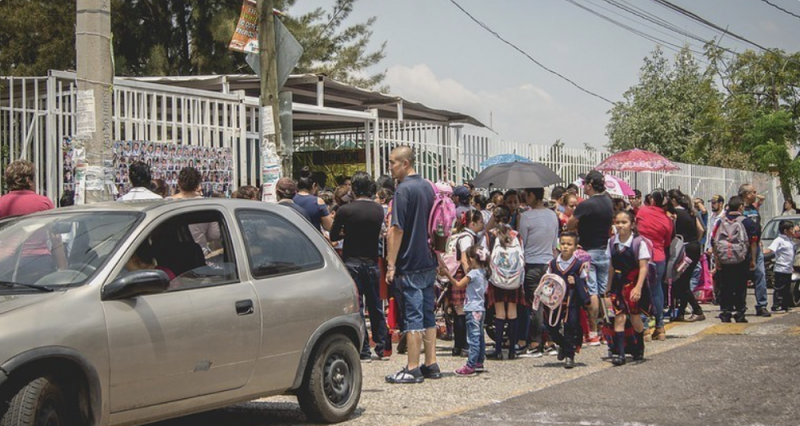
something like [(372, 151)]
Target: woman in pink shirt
[(654, 224)]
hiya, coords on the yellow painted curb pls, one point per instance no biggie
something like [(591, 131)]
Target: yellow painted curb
[(726, 329)]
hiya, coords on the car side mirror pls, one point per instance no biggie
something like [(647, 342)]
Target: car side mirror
[(137, 283)]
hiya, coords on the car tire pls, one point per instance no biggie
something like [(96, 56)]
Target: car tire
[(794, 293), (41, 402), (332, 386)]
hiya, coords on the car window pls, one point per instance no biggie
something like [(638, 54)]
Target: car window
[(275, 246), (193, 249), (60, 249), (771, 230)]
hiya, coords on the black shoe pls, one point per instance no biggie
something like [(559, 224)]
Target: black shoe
[(431, 371), (512, 354), (725, 316), (763, 312), (497, 356), (618, 360), (406, 376), (739, 317), (562, 355), (638, 356), (569, 363), (456, 352), (366, 358), (776, 309)]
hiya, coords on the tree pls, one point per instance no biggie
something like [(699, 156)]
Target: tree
[(183, 37), (660, 113), (35, 36)]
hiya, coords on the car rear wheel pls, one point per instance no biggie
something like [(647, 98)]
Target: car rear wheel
[(39, 403), (332, 385), (794, 293)]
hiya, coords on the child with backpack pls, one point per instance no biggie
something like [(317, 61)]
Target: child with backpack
[(508, 272), (630, 264), (783, 247), (474, 284), (465, 235), (735, 238), (564, 324)]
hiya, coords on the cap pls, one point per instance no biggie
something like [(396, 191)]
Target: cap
[(286, 187), (462, 192), (593, 177)]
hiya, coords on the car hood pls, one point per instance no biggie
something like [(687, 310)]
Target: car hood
[(10, 302)]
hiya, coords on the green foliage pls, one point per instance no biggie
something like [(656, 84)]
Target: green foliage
[(740, 112), (183, 37), (35, 36)]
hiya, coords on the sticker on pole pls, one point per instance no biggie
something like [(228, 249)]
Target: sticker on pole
[(245, 38), (267, 121), (85, 114)]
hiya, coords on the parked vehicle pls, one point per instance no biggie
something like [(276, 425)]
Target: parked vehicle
[(97, 330), (769, 234)]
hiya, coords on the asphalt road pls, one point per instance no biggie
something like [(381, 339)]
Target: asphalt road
[(706, 373), (734, 376)]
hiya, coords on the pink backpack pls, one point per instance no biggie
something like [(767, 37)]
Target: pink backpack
[(704, 290), (442, 217)]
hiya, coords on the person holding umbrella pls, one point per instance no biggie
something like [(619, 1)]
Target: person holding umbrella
[(592, 220)]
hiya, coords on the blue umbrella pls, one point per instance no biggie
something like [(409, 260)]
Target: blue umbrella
[(504, 158)]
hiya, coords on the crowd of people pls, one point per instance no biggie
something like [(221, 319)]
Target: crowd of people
[(622, 263)]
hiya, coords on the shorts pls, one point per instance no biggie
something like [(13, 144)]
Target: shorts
[(419, 297), (598, 272)]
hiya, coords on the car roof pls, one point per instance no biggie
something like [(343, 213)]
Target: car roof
[(145, 206), (789, 217)]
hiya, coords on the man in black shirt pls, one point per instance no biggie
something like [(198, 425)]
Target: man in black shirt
[(359, 223), (592, 219)]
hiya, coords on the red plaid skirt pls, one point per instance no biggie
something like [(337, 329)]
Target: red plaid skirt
[(621, 295), (457, 296), (499, 295)]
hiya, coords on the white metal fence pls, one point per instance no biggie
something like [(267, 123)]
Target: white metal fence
[(36, 113)]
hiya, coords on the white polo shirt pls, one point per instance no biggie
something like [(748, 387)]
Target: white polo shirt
[(783, 247)]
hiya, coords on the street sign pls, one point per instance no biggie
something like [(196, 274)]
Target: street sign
[(288, 50)]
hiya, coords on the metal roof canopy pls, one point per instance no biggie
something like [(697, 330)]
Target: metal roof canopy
[(327, 100)]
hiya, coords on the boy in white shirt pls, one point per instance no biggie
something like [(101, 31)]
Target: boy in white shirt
[(783, 247)]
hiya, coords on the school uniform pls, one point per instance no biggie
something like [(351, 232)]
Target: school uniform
[(626, 274), (577, 296), (783, 247)]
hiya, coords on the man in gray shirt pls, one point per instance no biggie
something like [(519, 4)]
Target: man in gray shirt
[(538, 228)]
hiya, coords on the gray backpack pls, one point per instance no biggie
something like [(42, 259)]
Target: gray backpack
[(731, 242)]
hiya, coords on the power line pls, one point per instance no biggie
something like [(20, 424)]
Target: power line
[(494, 33), (781, 9), (654, 39)]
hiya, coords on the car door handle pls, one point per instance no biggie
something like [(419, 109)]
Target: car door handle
[(244, 307)]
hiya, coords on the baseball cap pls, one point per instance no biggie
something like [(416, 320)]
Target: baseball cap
[(593, 177), (462, 192)]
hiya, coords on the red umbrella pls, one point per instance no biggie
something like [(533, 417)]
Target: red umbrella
[(636, 160)]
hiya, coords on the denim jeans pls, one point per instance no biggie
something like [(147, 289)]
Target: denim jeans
[(476, 338), (419, 298), (760, 277), (657, 293), (695, 277), (366, 274), (598, 272)]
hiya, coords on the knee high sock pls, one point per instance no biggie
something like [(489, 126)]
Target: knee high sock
[(620, 340), (640, 343), (499, 325), (512, 335)]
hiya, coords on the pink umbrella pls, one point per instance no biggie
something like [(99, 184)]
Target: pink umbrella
[(614, 186), (636, 160)]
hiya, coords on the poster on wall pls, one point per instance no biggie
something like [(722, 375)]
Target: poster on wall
[(166, 161)]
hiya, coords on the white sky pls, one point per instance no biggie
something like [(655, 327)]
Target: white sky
[(438, 56)]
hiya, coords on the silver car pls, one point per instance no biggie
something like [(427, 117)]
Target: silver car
[(131, 313)]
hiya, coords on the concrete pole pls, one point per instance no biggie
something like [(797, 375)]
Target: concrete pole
[(272, 152), (95, 90)]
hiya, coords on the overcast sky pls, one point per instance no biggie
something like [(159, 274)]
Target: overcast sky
[(438, 56)]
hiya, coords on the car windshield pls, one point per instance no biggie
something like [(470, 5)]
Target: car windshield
[(60, 249), (771, 230)]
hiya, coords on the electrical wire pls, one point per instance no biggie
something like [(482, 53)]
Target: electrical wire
[(781, 9), (512, 45)]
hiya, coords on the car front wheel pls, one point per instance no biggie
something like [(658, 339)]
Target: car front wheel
[(794, 293), (39, 403), (332, 385)]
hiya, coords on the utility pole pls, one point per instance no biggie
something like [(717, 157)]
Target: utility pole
[(95, 89), (272, 152)]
